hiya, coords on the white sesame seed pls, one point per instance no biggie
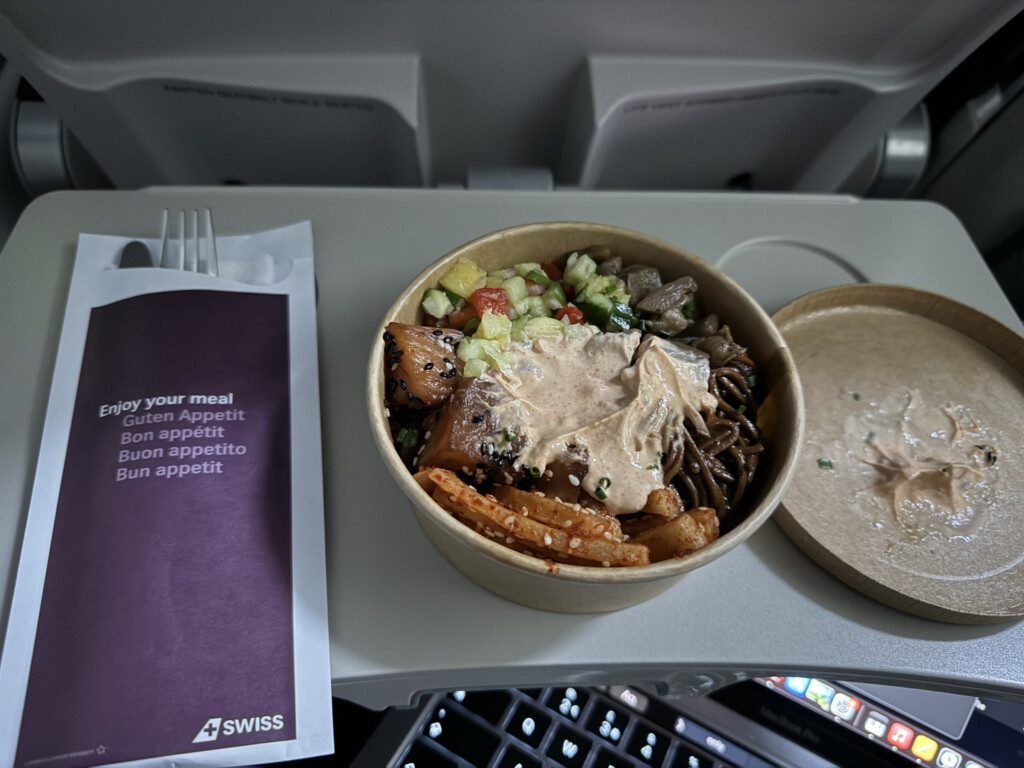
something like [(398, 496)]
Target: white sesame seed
[(575, 541), (547, 539), (573, 480)]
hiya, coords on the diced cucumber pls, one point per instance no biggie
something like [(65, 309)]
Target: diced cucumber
[(606, 285), (518, 332), (493, 281), (597, 309), (488, 351), (527, 266), (554, 296), (515, 289), (436, 303), (621, 318), (544, 328), (608, 315), (463, 278), (533, 306), (475, 368), (497, 328), (576, 331), (579, 269)]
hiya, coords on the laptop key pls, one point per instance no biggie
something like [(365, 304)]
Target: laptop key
[(609, 759), (422, 756), (568, 702), (460, 735), (514, 757), (648, 744), (490, 705), (569, 748), (688, 757), (528, 723), (608, 722)]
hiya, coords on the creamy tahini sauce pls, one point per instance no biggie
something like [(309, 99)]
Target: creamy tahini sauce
[(908, 458), (586, 392)]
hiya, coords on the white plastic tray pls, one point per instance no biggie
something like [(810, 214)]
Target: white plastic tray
[(402, 619)]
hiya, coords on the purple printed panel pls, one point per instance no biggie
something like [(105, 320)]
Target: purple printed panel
[(166, 616)]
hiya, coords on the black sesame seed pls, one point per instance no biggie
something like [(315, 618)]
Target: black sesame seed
[(478, 418), (438, 332), (388, 336), (428, 366), (391, 386), (401, 383)]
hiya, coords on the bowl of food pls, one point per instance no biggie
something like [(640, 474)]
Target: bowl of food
[(580, 414)]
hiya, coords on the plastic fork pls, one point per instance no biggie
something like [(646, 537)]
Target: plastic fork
[(185, 252)]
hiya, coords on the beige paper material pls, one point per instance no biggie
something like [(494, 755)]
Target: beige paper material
[(911, 477)]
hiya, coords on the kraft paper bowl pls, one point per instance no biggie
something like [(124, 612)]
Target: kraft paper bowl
[(531, 581)]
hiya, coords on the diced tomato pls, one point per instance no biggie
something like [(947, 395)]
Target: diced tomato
[(493, 299), (572, 312), (462, 315), (552, 270), (570, 291)]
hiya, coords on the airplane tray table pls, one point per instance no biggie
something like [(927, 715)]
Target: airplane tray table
[(402, 620)]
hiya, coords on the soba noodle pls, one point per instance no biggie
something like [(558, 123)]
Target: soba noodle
[(716, 470)]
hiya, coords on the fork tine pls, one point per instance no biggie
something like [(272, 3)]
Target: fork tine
[(212, 264), (181, 241), (162, 261), (193, 265)]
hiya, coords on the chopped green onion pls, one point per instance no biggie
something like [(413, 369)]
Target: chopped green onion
[(870, 438), (604, 482), (687, 310), (856, 396), (825, 463), (601, 493), (533, 471), (407, 437), (510, 436), (741, 410), (651, 467), (752, 380)]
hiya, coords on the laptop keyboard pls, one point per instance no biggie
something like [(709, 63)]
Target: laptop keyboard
[(561, 727)]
